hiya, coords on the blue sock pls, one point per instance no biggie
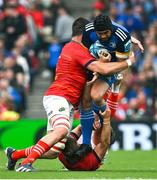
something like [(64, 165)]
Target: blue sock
[(97, 108), (87, 120)]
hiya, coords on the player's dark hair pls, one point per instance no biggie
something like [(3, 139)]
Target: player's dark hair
[(78, 26), (70, 146), (102, 23)]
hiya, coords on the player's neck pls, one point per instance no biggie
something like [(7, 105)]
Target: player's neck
[(77, 39)]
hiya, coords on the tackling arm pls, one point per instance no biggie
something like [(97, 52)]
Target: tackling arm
[(111, 67)]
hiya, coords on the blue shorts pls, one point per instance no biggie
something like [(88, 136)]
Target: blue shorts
[(108, 79)]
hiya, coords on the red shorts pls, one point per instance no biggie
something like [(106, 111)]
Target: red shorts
[(90, 162)]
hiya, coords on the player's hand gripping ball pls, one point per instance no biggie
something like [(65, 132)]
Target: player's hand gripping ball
[(98, 51)]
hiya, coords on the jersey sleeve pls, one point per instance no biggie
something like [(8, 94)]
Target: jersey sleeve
[(86, 39), (83, 57), (124, 44), (89, 36)]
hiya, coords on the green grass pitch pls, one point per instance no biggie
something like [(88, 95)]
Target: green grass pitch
[(119, 165)]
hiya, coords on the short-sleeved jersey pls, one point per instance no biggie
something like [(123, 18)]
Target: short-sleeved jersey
[(71, 72), (118, 45), (90, 162)]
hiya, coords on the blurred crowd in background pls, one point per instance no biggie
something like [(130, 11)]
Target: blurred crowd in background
[(33, 32)]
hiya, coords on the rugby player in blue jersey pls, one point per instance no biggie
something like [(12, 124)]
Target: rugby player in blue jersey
[(116, 40)]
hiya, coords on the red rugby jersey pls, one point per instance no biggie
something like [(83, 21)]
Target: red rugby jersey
[(90, 162), (71, 72)]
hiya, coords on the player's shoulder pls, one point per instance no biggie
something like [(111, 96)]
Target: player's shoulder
[(71, 45), (89, 35), (121, 32)]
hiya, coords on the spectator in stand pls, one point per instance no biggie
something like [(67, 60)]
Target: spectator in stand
[(54, 6), (17, 83), (150, 88), (27, 51), (22, 91), (3, 51), (54, 52), (7, 109), (37, 15), (38, 19), (2, 72), (131, 21), (11, 63), (12, 92), (20, 7), (64, 23), (24, 64), (24, 3), (11, 23), (47, 31), (14, 72), (136, 107)]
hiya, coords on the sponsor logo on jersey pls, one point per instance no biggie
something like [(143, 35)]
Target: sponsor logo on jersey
[(112, 44), (61, 109)]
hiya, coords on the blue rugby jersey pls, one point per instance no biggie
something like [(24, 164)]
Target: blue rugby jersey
[(118, 45)]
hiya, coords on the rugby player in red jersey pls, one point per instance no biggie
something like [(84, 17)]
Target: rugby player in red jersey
[(93, 158), (65, 92)]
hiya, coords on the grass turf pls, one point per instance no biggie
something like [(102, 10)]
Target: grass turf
[(119, 165)]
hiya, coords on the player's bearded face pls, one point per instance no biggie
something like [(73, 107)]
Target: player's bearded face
[(104, 35)]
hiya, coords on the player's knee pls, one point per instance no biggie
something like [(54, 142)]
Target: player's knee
[(58, 147), (96, 97), (62, 125), (62, 132)]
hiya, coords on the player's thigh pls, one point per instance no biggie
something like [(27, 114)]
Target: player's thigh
[(59, 112), (99, 88)]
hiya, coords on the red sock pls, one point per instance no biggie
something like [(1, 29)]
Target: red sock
[(16, 155), (37, 151), (112, 103), (107, 94)]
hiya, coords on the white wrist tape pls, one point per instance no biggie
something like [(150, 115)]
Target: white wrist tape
[(129, 62)]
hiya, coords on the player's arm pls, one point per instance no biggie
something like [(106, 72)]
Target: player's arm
[(111, 67), (124, 46), (76, 133), (104, 144), (84, 58)]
